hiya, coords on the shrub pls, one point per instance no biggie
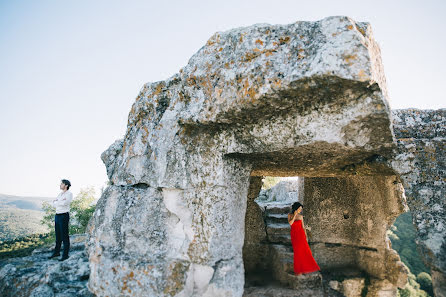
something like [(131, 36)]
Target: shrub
[(425, 282)]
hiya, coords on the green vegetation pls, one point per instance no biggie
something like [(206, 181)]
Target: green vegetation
[(269, 182), (15, 223), (20, 216), (23, 246), (425, 281), (81, 209), (413, 288), (402, 234)]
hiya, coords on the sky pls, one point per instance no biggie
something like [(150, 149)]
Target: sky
[(71, 70)]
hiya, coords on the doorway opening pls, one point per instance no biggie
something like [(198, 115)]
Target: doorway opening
[(346, 220)]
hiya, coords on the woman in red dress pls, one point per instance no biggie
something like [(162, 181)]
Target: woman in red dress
[(303, 259)]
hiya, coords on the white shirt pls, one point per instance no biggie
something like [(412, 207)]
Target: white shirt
[(62, 202)]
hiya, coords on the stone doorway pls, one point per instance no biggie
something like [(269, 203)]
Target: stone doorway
[(346, 220), (256, 101)]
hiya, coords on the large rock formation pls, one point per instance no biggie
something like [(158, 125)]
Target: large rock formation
[(305, 99), (421, 164), (349, 217)]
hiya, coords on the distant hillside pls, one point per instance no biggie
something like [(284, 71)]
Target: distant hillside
[(20, 216), (23, 202)]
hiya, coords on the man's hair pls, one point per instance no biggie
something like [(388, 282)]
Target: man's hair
[(67, 182)]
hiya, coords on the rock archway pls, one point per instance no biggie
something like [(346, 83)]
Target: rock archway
[(308, 97)]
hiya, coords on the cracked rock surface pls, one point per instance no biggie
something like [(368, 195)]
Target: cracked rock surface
[(303, 99), (420, 160), (38, 276)]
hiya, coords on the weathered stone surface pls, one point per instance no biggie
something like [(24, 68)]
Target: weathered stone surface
[(305, 99), (351, 287), (38, 276), (282, 292), (255, 247), (421, 163), (341, 216), (349, 217)]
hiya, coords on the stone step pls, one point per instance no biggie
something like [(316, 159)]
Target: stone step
[(279, 209), (283, 270), (284, 258), (278, 229), (287, 256), (305, 281), (287, 265), (279, 291), (277, 218), (280, 238)]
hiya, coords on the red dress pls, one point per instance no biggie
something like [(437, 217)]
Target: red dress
[(303, 258)]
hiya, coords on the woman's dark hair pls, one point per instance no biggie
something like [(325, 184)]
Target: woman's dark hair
[(296, 206), (67, 182)]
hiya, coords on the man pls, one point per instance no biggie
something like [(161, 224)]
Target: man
[(61, 221)]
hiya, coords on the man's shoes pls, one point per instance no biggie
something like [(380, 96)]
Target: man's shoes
[(54, 255), (63, 258)]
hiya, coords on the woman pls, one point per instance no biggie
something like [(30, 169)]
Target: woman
[(303, 259)]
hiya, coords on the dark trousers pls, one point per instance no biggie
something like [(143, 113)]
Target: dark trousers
[(61, 222)]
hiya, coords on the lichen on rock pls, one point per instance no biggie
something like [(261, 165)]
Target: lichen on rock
[(304, 99)]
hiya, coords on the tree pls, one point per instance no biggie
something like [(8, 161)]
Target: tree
[(48, 218), (425, 282), (81, 209)]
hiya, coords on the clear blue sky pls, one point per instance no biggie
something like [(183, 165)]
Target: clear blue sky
[(70, 70)]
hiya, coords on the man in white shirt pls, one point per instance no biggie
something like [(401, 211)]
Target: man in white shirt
[(61, 221)]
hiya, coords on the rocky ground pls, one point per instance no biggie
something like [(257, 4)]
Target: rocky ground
[(38, 276)]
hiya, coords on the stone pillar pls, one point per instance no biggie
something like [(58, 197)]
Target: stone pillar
[(255, 248), (348, 218)]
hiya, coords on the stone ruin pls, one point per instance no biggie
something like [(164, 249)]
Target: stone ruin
[(307, 99)]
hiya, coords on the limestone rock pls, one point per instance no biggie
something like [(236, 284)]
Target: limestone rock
[(304, 99), (286, 191), (348, 230), (38, 276), (351, 287), (255, 248), (420, 160)]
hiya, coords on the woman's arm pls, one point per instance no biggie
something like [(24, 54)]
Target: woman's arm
[(292, 218), (303, 226)]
